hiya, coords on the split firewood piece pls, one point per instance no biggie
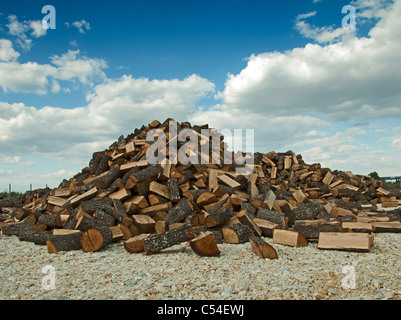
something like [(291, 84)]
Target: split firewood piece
[(205, 245), (120, 214), (349, 241), (218, 218), (135, 244), (341, 212), (269, 200), (152, 210), (67, 240), (144, 223), (390, 226), (161, 226), (180, 211), (244, 218), (105, 180), (148, 172), (206, 198), (262, 248), (84, 197), (126, 231), (266, 227), (51, 220), (249, 209), (289, 238), (56, 201), (159, 189), (356, 226), (158, 242), (299, 195), (173, 190), (236, 233), (273, 216), (120, 194), (228, 181), (117, 234), (311, 228)]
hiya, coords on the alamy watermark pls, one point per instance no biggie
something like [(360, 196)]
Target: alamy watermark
[(349, 281), (349, 21), (49, 280), (49, 21), (202, 147)]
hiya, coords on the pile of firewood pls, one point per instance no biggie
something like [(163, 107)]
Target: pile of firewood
[(120, 196)]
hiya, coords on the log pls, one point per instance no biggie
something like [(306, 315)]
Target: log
[(218, 218), (308, 211), (38, 237), (262, 248), (236, 233), (348, 241), (144, 223), (356, 226), (266, 227), (161, 226), (179, 212), (205, 245), (206, 198), (96, 234), (15, 229), (90, 206), (135, 244), (390, 226), (289, 238), (310, 229), (68, 241), (148, 172), (273, 216), (51, 220), (244, 218), (105, 217), (158, 242), (173, 190), (159, 189), (268, 202)]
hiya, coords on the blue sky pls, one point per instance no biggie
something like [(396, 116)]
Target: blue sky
[(287, 69)]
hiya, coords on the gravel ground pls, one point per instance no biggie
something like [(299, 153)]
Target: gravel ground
[(304, 273)]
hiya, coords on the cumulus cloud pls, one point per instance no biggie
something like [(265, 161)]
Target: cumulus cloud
[(354, 78), (20, 29), (32, 77), (82, 26), (115, 107), (7, 52)]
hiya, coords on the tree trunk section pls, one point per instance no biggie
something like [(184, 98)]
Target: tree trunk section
[(205, 245), (158, 242), (262, 248)]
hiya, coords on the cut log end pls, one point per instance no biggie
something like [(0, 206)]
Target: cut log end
[(205, 245), (92, 240)]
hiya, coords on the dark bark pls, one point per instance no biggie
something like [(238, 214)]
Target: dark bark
[(157, 242), (173, 189), (179, 212), (273, 216)]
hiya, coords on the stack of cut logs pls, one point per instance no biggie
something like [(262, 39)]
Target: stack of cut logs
[(120, 197)]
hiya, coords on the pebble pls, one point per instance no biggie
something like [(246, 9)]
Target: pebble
[(303, 273)]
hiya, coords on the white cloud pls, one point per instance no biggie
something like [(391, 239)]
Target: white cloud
[(115, 107), (7, 53), (38, 30), (40, 78), (320, 34), (354, 78), (20, 30), (82, 26)]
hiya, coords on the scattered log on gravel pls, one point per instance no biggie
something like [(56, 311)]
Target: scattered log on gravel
[(262, 248), (205, 245)]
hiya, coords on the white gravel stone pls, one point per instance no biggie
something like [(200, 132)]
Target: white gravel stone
[(178, 273)]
